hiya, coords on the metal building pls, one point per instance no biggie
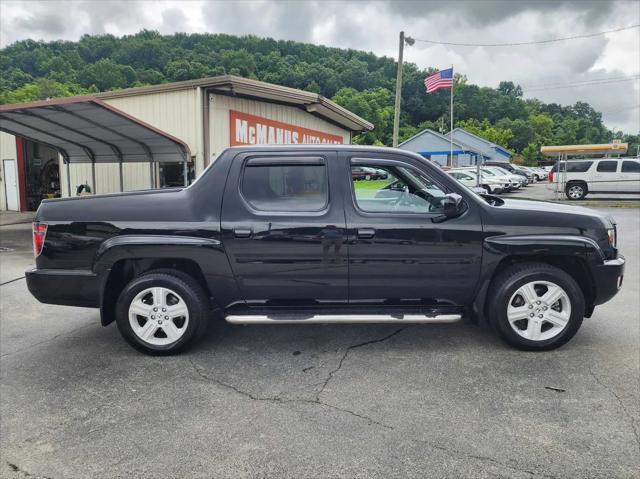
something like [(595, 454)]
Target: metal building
[(439, 148), (490, 151), (154, 136)]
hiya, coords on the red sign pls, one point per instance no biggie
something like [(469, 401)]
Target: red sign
[(254, 130)]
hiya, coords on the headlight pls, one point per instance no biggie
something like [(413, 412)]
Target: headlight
[(611, 233)]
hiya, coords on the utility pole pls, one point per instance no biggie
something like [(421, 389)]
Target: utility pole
[(396, 116)]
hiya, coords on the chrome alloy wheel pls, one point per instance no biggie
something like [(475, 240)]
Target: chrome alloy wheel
[(575, 192), (158, 316), (539, 310)]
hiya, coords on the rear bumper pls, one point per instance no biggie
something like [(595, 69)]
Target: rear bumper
[(66, 287), (608, 279)]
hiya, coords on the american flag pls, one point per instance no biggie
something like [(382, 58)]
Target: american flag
[(442, 79)]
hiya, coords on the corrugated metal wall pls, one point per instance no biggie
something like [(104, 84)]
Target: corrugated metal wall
[(173, 112), (136, 177), (7, 152), (219, 128)]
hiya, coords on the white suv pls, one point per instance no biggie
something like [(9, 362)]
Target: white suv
[(602, 175)]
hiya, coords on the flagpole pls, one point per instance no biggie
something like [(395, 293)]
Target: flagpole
[(451, 130)]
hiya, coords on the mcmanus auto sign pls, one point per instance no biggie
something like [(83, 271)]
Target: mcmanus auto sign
[(255, 130)]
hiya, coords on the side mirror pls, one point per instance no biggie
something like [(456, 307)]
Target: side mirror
[(452, 204), (452, 207)]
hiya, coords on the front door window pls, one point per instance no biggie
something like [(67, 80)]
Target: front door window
[(395, 189)]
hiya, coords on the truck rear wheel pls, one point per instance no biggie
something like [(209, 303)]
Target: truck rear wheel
[(162, 312), (535, 306)]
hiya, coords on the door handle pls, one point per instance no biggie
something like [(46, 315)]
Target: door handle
[(366, 233), (242, 232)]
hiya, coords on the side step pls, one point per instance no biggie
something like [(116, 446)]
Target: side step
[(341, 318)]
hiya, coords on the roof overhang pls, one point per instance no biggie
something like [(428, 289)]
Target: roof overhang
[(233, 85), (595, 149), (88, 130)]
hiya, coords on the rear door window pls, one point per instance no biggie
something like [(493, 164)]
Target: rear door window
[(631, 166), (607, 166), (270, 185)]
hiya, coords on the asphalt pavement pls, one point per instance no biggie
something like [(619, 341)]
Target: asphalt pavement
[(315, 401), (543, 191)]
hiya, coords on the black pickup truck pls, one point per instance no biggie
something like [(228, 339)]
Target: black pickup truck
[(286, 235)]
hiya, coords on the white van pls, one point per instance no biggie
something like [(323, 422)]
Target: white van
[(601, 175)]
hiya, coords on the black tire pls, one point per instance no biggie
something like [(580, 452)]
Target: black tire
[(187, 288), (576, 191), (505, 285)]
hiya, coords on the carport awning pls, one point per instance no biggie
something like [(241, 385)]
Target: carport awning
[(88, 130)]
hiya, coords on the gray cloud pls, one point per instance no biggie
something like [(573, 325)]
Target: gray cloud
[(122, 13), (45, 23), (264, 18), (473, 12), (174, 20)]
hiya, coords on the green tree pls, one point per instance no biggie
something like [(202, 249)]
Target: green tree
[(375, 106), (484, 129), (530, 154), (105, 74), (508, 88), (542, 125)]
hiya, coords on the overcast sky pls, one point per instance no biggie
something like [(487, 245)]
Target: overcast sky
[(374, 26)]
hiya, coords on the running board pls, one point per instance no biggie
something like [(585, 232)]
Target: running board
[(341, 318)]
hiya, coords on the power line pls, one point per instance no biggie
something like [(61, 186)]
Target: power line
[(579, 84), (540, 85), (538, 42), (620, 109)]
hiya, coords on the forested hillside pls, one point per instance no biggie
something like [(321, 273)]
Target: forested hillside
[(360, 81)]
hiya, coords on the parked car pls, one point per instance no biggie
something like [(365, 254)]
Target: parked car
[(379, 174), (515, 182), (542, 173), (280, 235), (598, 175), (538, 174), (360, 174), (529, 174), (511, 168), (469, 178)]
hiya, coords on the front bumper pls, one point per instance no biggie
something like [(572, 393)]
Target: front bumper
[(66, 287), (608, 279)]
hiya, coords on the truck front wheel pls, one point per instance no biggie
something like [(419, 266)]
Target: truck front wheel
[(162, 312), (535, 306)]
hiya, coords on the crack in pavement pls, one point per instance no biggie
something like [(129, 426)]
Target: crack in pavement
[(346, 353), (281, 400), (19, 470), (31, 346), (12, 280), (458, 453), (632, 419)]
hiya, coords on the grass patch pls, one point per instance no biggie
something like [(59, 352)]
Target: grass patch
[(368, 189)]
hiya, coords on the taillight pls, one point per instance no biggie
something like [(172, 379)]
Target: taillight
[(550, 176), (39, 232)]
